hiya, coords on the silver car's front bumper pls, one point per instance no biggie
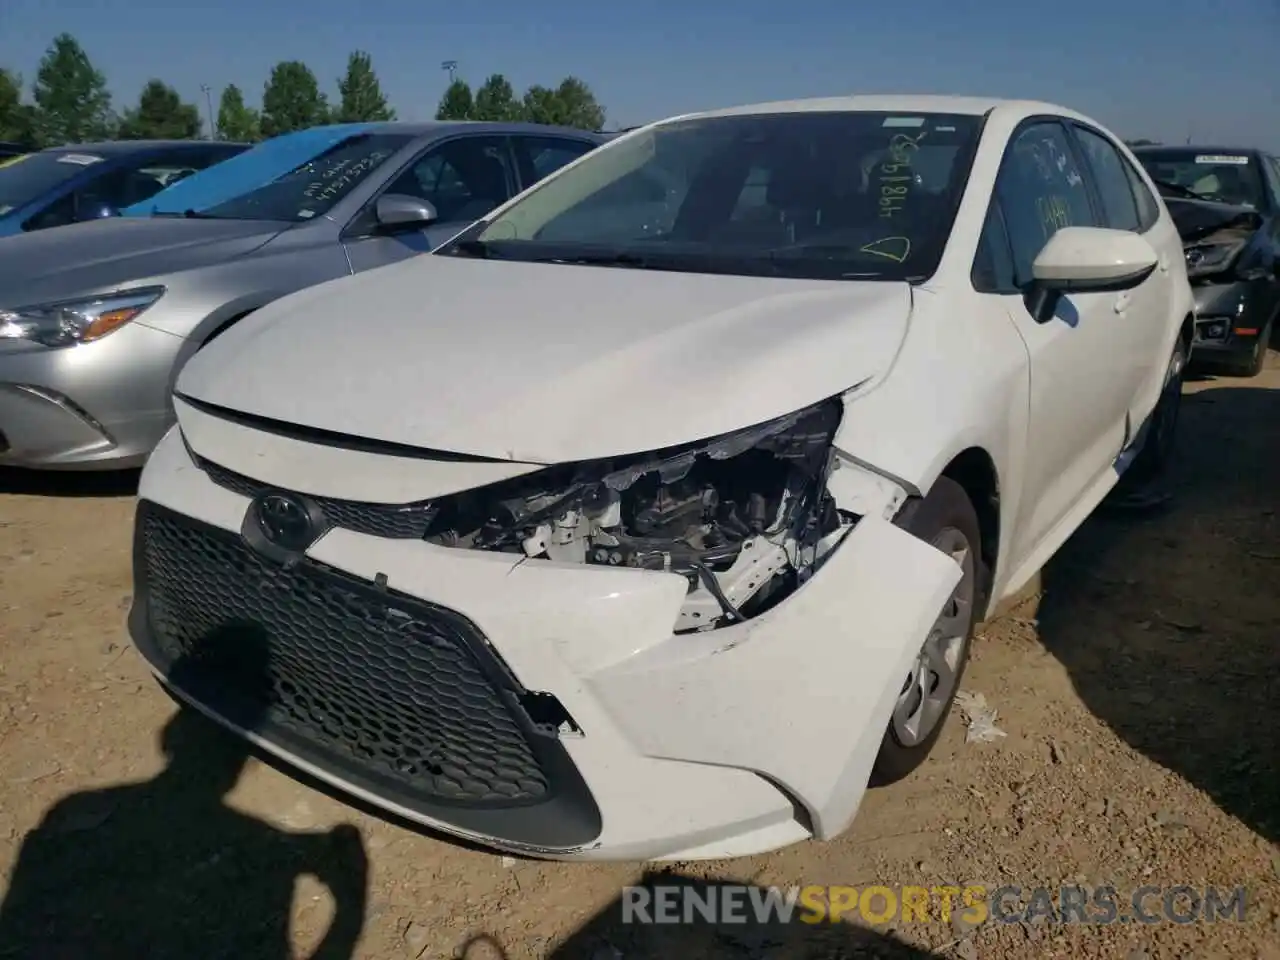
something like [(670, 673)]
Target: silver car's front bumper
[(95, 406)]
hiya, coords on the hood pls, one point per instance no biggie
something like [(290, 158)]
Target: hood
[(1197, 219), (66, 261), (548, 363), (246, 171)]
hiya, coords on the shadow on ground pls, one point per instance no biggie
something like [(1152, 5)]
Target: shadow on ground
[(613, 934), (1169, 623), (68, 483), (164, 868)]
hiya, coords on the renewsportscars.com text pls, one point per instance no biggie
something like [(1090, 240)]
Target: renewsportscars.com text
[(730, 903)]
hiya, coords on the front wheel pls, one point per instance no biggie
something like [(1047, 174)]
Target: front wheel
[(947, 520)]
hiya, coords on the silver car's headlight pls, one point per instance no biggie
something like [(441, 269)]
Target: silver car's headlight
[(76, 321)]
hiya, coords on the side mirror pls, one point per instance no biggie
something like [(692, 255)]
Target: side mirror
[(397, 211), (1093, 260)]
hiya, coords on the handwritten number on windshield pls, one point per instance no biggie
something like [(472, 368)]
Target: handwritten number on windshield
[(896, 177), (338, 178)]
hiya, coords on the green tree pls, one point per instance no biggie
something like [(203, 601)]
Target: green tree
[(577, 105), (17, 119), (540, 105), (496, 101), (362, 97), (160, 115), (456, 104), (572, 104), (236, 121), (291, 100), (71, 96)]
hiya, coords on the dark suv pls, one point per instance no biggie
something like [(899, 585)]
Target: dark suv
[(1226, 204)]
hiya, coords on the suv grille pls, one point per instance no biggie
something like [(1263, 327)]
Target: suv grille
[(402, 691)]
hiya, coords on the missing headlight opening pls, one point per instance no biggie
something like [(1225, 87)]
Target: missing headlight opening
[(745, 518)]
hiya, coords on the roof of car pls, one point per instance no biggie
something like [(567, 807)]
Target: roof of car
[(893, 103), (108, 148), (440, 127), (1211, 149), (112, 148)]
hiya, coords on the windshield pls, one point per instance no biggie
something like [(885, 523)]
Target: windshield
[(23, 179), (816, 195), (314, 187), (1225, 178)]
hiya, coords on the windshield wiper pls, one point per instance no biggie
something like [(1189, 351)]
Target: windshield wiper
[(472, 248), (198, 215), (606, 260), (1174, 188)]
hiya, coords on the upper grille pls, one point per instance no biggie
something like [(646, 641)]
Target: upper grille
[(390, 686), (403, 521)]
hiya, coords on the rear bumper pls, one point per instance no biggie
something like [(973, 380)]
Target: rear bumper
[(725, 743)]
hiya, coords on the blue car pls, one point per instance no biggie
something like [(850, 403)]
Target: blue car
[(62, 185)]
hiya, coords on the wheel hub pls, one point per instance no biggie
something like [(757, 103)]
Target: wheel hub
[(931, 682)]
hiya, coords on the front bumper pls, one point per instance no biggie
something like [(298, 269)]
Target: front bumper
[(95, 406), (1230, 317), (725, 743)]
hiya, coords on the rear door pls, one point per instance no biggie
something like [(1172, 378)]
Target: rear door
[(464, 178)]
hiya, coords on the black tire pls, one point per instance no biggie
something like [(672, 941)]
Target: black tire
[(945, 508), (1251, 365), (1157, 451)]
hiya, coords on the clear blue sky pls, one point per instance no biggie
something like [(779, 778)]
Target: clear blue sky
[(1165, 69)]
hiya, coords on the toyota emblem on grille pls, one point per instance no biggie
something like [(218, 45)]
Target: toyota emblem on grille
[(285, 521)]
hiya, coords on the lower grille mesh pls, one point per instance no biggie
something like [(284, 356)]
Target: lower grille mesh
[(390, 685)]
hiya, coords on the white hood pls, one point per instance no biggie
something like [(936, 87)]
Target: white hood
[(547, 363)]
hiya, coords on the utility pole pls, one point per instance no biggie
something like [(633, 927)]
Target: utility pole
[(208, 102), (451, 67)]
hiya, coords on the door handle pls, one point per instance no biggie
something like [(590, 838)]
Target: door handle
[(1164, 263), (1122, 302)]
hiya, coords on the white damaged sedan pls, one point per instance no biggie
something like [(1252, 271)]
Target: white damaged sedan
[(650, 518)]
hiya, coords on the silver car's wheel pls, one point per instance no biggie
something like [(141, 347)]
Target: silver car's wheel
[(931, 684)]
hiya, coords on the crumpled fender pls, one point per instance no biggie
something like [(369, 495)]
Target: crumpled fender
[(803, 693)]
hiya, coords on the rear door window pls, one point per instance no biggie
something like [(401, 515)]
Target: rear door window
[(1114, 188), (542, 156)]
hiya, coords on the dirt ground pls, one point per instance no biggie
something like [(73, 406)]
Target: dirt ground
[(1138, 693)]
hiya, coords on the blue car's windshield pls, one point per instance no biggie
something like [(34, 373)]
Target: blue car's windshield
[(25, 178), (292, 177)]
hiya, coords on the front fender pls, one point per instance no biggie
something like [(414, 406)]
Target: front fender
[(802, 694)]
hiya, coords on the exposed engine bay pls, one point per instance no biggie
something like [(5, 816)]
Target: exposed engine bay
[(745, 518)]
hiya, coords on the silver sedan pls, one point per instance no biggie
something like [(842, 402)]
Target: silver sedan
[(97, 318)]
